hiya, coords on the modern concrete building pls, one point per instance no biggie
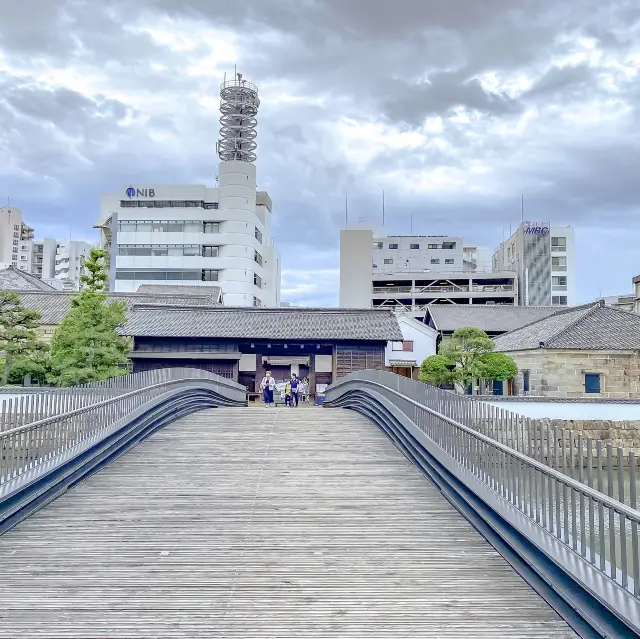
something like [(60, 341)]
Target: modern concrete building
[(543, 256), (416, 272), (16, 239), (196, 235)]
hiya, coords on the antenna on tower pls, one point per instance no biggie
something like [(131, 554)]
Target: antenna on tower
[(239, 103)]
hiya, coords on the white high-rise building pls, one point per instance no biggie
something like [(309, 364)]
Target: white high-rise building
[(543, 256), (413, 272), (16, 239), (198, 235)]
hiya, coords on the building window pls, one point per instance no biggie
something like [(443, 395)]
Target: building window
[(210, 251), (433, 246), (414, 246), (15, 242), (435, 260), (211, 227), (559, 263), (257, 280), (256, 301), (16, 234), (16, 227), (258, 235), (154, 250), (448, 245), (377, 245), (406, 346), (388, 261), (23, 257), (525, 381), (559, 282), (159, 275), (592, 383), (163, 204), (559, 300), (257, 258), (14, 256), (559, 244), (393, 246), (209, 275), (449, 261), (159, 226)]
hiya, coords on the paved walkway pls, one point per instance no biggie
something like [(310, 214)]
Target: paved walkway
[(261, 523)]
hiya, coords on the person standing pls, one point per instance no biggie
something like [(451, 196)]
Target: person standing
[(295, 388), (266, 386)]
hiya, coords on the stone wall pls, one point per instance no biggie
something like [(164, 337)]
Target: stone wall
[(560, 373), (623, 434)]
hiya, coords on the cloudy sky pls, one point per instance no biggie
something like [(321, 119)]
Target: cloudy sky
[(453, 107)]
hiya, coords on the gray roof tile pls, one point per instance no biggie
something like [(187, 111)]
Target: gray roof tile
[(264, 323), (491, 319), (176, 289), (588, 327), (54, 305), (13, 279)]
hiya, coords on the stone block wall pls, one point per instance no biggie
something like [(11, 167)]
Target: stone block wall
[(623, 434), (560, 373)]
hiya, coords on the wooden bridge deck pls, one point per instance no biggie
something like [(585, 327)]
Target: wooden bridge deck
[(261, 523)]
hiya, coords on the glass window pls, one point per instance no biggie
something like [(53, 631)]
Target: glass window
[(175, 251), (144, 227), (435, 260), (433, 246), (159, 251), (449, 261), (210, 251), (257, 280), (393, 246), (559, 300), (559, 263), (559, 244), (258, 235), (525, 381), (592, 383), (377, 245), (448, 245), (257, 258), (414, 246), (211, 227), (209, 275), (388, 261), (191, 250), (192, 227)]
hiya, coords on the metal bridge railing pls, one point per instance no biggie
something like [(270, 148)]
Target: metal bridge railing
[(38, 426), (523, 466)]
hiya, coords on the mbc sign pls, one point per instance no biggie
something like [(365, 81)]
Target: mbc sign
[(537, 230), (131, 192)]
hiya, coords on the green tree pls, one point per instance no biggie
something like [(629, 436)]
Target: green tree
[(86, 346), (497, 366), (467, 356), (436, 369), (19, 342)]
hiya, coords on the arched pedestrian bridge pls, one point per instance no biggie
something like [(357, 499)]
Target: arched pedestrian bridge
[(159, 505)]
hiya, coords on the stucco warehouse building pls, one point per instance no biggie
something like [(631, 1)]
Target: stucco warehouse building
[(242, 343), (585, 351)]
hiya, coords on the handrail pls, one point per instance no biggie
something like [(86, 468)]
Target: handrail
[(46, 424), (607, 501), (497, 468)]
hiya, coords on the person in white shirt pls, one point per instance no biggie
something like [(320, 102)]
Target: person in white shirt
[(267, 385)]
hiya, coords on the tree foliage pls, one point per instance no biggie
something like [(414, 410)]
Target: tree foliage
[(468, 355), (23, 352), (86, 346), (436, 369)]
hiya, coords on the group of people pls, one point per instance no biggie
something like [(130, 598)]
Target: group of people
[(295, 390)]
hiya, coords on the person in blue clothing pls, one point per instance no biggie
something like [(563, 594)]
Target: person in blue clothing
[(295, 387)]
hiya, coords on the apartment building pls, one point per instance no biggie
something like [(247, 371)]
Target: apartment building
[(16, 237), (414, 272), (543, 256)]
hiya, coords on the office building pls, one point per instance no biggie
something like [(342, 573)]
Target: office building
[(542, 255), (195, 235), (413, 272)]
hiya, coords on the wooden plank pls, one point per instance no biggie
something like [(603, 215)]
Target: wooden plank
[(261, 523)]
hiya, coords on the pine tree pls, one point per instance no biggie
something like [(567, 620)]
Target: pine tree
[(23, 351), (86, 346)]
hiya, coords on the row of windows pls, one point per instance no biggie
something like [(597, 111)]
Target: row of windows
[(167, 204), (394, 246), (203, 275), (163, 226), (433, 261), (179, 250)]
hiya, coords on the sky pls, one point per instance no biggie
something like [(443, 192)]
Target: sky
[(453, 108)]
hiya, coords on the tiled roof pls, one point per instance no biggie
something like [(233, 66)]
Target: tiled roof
[(176, 289), (589, 327), (264, 323), (491, 319), (13, 279), (54, 305)]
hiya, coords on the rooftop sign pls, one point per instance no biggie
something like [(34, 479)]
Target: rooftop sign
[(537, 230)]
